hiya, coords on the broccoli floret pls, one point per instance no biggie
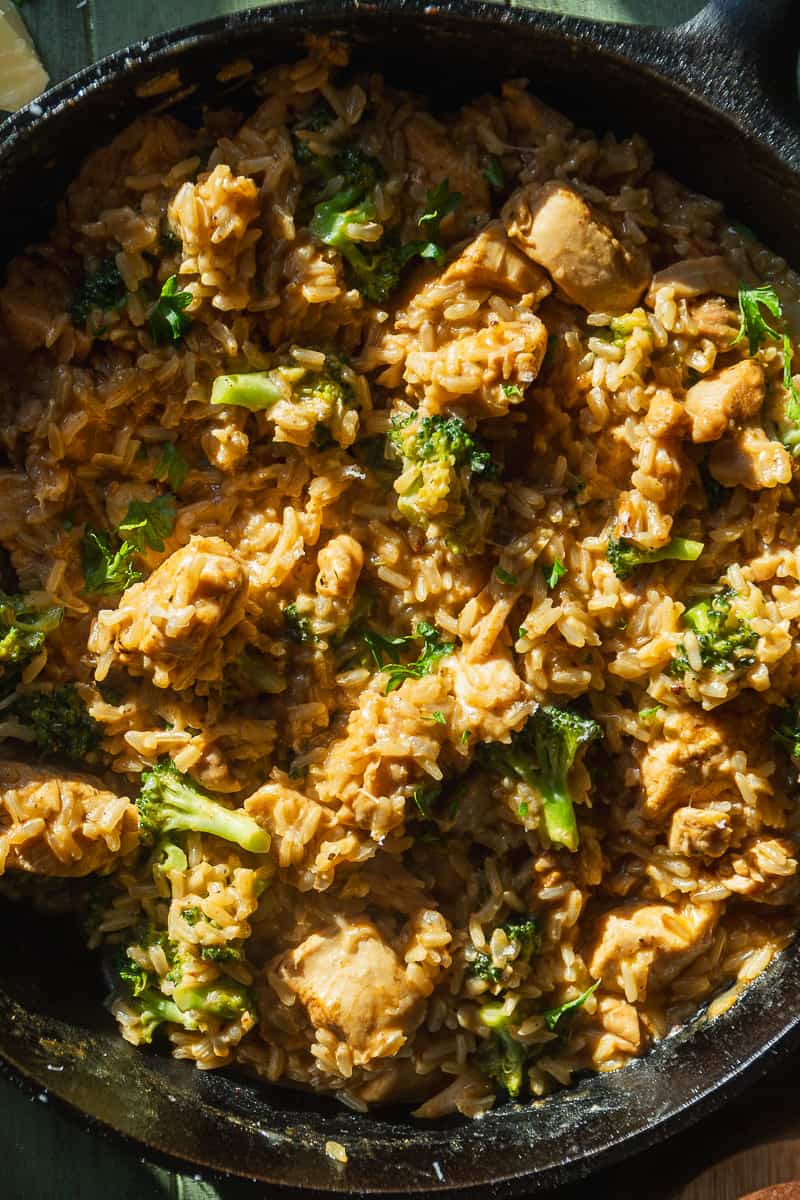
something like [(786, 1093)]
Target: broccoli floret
[(321, 395), (501, 1059), (374, 267), (59, 720), (298, 627), (170, 802), (527, 938), (154, 1008), (444, 476), (23, 629), (224, 999), (723, 638), (318, 117), (105, 290), (526, 934), (256, 390), (252, 675), (482, 967), (542, 755), (219, 954), (787, 730), (625, 556)]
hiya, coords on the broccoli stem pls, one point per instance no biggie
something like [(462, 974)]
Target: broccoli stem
[(206, 816), (154, 1008), (256, 390), (223, 999), (559, 818), (170, 802), (679, 548)]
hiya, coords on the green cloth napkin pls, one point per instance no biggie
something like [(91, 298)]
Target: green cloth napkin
[(44, 1157)]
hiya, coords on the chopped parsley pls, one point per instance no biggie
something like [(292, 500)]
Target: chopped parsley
[(106, 571), (506, 576), (148, 522), (172, 467), (553, 1016), (553, 574), (424, 797), (512, 391), (166, 321), (494, 174), (385, 653)]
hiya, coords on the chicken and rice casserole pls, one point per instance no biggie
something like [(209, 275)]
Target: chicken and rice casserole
[(401, 589)]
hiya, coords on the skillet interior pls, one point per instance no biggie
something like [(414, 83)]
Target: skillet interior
[(59, 1038)]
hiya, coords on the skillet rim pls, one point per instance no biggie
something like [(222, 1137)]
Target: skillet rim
[(637, 47)]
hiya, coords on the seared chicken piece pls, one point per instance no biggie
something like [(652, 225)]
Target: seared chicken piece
[(61, 823), (339, 565), (530, 119), (32, 309), (726, 398), (764, 870), (172, 626), (492, 261), (352, 983), (666, 417), (557, 229), (693, 277), (434, 155), (750, 459), (700, 832), (17, 500), (716, 319), (676, 769), (640, 946)]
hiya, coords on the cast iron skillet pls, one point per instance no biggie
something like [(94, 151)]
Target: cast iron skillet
[(716, 97)]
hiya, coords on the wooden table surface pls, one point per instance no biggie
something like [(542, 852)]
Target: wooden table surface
[(753, 1143)]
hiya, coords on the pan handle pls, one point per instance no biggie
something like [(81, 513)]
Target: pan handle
[(740, 57), (754, 40)]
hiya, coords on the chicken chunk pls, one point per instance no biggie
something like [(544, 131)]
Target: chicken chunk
[(700, 832), (352, 983), (750, 459), (339, 563), (17, 503), (490, 698), (492, 261), (677, 769), (666, 417), (485, 372), (434, 156), (172, 627), (530, 119), (33, 308), (716, 319), (61, 823), (724, 399), (764, 870), (641, 947), (693, 277), (556, 227)]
